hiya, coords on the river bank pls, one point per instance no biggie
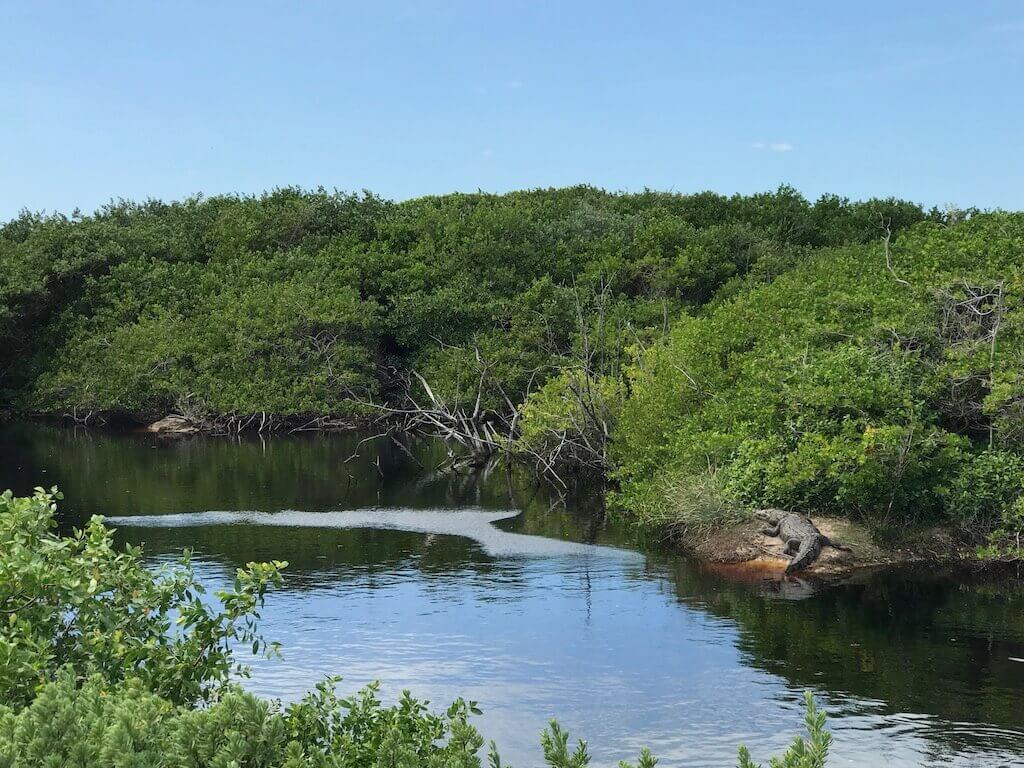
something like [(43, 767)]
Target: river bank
[(742, 551), (739, 551), (214, 425)]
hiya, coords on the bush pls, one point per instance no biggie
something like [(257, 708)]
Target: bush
[(984, 487), (683, 503), (290, 302), (569, 422), (1005, 540), (852, 383), (77, 604), (97, 725)]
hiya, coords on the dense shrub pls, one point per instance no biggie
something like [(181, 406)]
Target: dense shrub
[(886, 388), (76, 604), (984, 486), (292, 302), (96, 725), (567, 424), (91, 725)]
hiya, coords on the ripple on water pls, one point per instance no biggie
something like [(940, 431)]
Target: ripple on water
[(597, 636)]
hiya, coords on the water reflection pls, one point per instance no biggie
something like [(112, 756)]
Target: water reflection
[(454, 587)]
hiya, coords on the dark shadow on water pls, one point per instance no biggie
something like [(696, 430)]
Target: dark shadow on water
[(908, 640)]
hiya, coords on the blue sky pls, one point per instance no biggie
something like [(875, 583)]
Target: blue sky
[(102, 100)]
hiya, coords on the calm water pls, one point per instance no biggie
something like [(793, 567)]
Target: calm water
[(450, 586)]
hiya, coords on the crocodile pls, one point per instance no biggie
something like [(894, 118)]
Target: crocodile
[(803, 540)]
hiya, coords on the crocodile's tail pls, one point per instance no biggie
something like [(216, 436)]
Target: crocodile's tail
[(836, 545), (809, 550)]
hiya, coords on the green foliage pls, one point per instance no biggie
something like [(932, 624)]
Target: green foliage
[(77, 604), (984, 487), (809, 753), (96, 725), (776, 345), (686, 503), (890, 392), (291, 302), (1005, 539), (569, 421), (127, 725)]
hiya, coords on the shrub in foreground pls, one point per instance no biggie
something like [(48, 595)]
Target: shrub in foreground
[(76, 603)]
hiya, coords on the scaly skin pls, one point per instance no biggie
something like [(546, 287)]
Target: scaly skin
[(804, 541)]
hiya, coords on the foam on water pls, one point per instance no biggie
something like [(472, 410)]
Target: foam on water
[(475, 524)]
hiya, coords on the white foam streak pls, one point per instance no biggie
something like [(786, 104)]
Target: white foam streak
[(475, 524)]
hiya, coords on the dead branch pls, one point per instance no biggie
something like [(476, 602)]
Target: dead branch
[(886, 241)]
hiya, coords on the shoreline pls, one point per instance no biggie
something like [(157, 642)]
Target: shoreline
[(213, 425), (740, 551)]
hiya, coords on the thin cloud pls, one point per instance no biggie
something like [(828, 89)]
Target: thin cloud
[(515, 84), (774, 146)]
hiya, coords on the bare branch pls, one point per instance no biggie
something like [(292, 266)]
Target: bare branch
[(886, 241)]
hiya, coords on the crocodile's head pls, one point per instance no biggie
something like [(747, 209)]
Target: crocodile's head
[(770, 516)]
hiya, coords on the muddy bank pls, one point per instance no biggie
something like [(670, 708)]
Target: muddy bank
[(743, 552), (216, 425)]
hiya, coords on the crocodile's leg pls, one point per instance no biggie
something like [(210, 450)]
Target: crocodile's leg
[(770, 531), (791, 547)]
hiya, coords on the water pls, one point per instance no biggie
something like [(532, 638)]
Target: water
[(454, 586)]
